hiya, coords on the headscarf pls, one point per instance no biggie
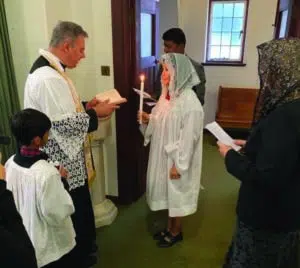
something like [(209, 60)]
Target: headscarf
[(182, 72), (279, 72)]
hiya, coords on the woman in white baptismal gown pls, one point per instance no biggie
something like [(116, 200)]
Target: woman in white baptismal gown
[(175, 130)]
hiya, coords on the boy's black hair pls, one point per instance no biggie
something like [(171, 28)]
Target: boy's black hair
[(175, 35), (28, 124)]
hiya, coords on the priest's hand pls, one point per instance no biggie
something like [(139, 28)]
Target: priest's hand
[(145, 117), (2, 172), (174, 174), (91, 104), (223, 149), (104, 109)]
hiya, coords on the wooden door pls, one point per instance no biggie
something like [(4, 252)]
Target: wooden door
[(147, 39), (294, 27), (282, 19), (147, 44), (287, 23), (131, 59)]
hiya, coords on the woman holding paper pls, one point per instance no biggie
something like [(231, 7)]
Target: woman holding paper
[(174, 129), (268, 167)]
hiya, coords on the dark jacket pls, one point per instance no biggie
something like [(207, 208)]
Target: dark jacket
[(199, 89), (269, 171), (16, 250)]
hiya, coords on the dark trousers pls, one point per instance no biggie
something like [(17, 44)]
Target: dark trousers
[(83, 222)]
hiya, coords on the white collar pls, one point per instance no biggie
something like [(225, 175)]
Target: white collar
[(55, 59)]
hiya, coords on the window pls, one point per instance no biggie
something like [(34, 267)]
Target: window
[(283, 23), (146, 35), (226, 31)]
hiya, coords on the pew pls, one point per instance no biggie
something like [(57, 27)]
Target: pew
[(235, 107)]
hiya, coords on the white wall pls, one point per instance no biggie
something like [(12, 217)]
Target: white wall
[(193, 20), (27, 30), (168, 17), (30, 24)]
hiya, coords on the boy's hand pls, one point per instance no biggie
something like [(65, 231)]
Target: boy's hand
[(2, 172), (174, 174), (63, 172)]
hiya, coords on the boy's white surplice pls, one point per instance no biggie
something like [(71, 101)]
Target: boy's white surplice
[(175, 131), (45, 207)]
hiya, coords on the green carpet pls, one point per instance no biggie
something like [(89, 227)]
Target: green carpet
[(128, 242)]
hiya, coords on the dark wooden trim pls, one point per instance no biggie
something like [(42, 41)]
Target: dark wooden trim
[(224, 63), (244, 32), (276, 22), (124, 49), (208, 30)]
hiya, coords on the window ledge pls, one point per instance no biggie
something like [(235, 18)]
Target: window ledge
[(229, 64)]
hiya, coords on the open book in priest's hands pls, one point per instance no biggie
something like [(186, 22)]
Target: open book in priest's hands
[(221, 135), (112, 96)]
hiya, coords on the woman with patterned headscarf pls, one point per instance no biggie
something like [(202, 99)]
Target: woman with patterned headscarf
[(174, 129), (268, 167)]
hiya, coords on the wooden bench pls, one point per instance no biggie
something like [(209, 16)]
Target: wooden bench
[(236, 107)]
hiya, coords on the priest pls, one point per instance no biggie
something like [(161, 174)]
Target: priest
[(49, 90)]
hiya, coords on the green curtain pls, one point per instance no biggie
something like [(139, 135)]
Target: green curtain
[(9, 100)]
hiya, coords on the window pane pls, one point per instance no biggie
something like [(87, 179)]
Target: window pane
[(214, 52), (235, 53), (236, 39), (228, 10), (216, 39), (225, 51), (237, 25), (226, 38), (227, 25), (146, 35), (283, 23), (239, 10), (217, 10), (217, 25)]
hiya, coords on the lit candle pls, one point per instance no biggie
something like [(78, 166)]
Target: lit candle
[(142, 77)]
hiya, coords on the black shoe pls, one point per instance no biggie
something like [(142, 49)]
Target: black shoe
[(161, 234), (169, 240)]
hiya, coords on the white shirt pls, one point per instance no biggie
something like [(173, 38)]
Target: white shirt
[(45, 207)]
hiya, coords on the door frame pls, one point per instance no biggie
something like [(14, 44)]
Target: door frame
[(129, 138)]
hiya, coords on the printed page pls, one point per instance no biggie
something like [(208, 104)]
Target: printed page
[(221, 135), (112, 95)]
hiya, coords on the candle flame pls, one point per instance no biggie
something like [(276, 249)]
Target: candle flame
[(142, 77)]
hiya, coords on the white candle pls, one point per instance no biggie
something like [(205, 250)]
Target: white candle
[(142, 77)]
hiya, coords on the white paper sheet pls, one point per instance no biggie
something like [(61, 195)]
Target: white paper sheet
[(146, 95), (221, 135), (150, 103)]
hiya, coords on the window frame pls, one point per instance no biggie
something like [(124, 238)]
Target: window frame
[(226, 62)]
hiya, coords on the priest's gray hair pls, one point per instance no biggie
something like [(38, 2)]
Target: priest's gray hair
[(66, 30)]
